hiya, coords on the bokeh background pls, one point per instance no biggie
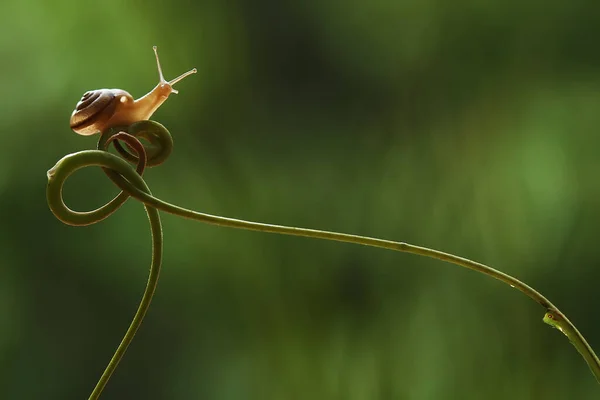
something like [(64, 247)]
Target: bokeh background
[(466, 126)]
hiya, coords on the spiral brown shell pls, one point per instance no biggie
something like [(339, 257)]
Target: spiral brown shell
[(93, 111)]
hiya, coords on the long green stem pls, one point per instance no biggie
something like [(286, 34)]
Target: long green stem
[(132, 184), (568, 328)]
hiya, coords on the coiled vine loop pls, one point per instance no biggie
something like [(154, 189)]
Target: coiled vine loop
[(159, 146), (117, 169)]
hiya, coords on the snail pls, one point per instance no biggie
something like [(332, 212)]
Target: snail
[(101, 109)]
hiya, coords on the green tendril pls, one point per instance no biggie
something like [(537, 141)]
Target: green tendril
[(159, 139), (71, 163), (131, 183)]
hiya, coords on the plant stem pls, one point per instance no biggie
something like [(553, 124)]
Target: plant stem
[(132, 184)]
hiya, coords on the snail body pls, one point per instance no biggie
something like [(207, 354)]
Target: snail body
[(101, 109)]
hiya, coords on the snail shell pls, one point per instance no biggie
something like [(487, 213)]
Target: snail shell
[(95, 109)]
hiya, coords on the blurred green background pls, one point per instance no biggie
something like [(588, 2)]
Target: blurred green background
[(466, 126)]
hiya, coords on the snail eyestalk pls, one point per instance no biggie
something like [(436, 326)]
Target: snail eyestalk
[(161, 77), (180, 77)]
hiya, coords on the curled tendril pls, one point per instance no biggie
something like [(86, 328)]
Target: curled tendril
[(116, 168), (160, 144), (159, 147), (133, 143)]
